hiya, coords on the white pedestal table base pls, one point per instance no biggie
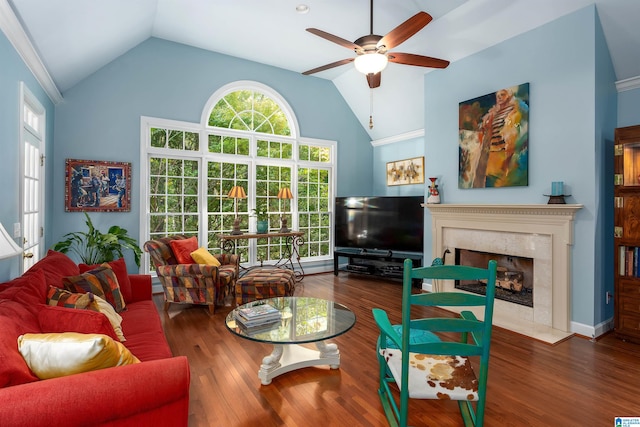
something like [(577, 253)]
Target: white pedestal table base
[(287, 357)]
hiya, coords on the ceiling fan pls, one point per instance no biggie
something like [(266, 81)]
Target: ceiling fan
[(372, 51)]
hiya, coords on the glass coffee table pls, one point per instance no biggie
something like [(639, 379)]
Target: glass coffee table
[(303, 320)]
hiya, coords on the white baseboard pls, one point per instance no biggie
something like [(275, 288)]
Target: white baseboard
[(592, 331), (427, 286)]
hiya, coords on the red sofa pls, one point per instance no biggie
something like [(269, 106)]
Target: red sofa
[(154, 392)]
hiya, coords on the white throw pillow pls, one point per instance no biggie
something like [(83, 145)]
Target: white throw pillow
[(59, 354)]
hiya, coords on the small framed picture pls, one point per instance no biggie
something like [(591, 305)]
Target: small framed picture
[(97, 186), (403, 172)]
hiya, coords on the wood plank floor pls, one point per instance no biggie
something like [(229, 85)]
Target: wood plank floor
[(578, 382)]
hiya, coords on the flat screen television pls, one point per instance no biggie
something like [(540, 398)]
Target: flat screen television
[(382, 223)]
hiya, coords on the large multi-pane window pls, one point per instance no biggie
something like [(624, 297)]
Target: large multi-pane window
[(248, 138)]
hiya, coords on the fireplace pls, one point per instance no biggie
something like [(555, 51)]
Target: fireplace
[(514, 281), (543, 233)]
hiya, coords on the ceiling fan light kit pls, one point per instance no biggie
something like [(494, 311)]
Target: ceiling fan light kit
[(371, 63), (373, 51)]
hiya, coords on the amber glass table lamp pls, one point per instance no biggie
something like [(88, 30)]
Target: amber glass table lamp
[(236, 193), (284, 193)]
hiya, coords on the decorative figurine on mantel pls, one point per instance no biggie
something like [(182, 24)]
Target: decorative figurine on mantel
[(434, 194)]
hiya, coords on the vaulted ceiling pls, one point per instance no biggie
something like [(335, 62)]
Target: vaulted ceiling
[(74, 38)]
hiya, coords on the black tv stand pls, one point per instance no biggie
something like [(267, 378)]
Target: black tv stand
[(376, 252), (383, 263)]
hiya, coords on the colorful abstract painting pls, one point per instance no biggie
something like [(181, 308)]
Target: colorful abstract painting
[(494, 139)]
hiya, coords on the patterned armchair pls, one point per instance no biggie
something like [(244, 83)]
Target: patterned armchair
[(192, 283)]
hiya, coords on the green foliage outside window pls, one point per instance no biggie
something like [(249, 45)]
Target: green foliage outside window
[(174, 139), (173, 196), (174, 180), (249, 110)]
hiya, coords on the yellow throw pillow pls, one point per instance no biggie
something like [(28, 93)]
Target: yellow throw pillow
[(202, 256), (68, 353), (114, 318)]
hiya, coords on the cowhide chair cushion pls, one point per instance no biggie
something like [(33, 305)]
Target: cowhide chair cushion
[(435, 377)]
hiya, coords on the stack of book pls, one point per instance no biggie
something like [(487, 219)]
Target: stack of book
[(258, 317)]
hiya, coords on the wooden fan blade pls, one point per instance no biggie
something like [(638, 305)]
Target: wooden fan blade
[(374, 80), (405, 30), (335, 39), (417, 60), (326, 67)]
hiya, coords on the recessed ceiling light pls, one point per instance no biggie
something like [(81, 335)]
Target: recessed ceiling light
[(302, 8)]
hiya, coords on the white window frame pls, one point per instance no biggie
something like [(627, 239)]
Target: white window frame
[(204, 156)]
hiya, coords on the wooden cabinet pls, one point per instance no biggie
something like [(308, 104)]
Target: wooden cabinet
[(627, 233)]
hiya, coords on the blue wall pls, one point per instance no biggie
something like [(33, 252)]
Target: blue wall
[(629, 108), (13, 71), (100, 118), (403, 150), (558, 60), (606, 102)]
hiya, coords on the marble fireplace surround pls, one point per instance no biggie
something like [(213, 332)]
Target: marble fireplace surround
[(541, 232)]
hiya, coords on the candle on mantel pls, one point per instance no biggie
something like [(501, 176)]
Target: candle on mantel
[(557, 188)]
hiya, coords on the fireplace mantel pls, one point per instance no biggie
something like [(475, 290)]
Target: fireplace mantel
[(505, 210), (542, 232)]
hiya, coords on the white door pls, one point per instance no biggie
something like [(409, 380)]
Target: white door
[(32, 172)]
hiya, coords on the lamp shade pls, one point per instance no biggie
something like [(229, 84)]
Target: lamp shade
[(8, 246), (285, 193), (237, 192), (371, 63)]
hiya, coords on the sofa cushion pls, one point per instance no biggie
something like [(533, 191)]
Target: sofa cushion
[(202, 256), (13, 368), (19, 305), (102, 282), (62, 319), (88, 301), (30, 289), (143, 328), (182, 249), (61, 354), (119, 267), (28, 292), (55, 266)]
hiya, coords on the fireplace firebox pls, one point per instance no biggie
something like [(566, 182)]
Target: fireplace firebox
[(514, 281)]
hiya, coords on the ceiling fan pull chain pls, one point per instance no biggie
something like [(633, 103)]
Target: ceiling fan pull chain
[(371, 109)]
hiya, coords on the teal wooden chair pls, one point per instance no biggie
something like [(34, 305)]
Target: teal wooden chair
[(429, 358)]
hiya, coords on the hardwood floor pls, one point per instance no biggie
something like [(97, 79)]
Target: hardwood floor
[(577, 382)]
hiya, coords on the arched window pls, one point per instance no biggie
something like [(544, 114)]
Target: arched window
[(248, 137), (250, 110)]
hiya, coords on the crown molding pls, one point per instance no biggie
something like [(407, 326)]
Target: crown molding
[(11, 27), (397, 138), (628, 84)]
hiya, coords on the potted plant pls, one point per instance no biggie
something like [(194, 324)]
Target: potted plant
[(95, 247), (262, 217)]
